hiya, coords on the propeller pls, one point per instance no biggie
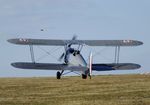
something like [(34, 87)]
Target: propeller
[(61, 57), (90, 64), (74, 37), (72, 41)]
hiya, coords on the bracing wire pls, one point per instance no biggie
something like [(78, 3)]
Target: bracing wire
[(48, 53)]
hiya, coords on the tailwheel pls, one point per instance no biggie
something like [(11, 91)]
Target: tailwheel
[(84, 76), (58, 75)]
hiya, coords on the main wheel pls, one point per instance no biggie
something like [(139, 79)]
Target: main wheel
[(58, 75), (84, 76)]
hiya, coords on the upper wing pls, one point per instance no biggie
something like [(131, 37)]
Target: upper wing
[(115, 66), (54, 42)]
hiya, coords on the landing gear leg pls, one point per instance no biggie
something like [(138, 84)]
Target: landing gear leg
[(59, 74), (90, 76)]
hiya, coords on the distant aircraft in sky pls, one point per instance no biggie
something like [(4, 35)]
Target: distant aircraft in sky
[(72, 57)]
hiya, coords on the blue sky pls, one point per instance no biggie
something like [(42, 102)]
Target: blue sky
[(61, 19)]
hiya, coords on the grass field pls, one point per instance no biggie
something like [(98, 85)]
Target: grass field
[(100, 90)]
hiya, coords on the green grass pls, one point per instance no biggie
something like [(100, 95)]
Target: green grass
[(100, 90)]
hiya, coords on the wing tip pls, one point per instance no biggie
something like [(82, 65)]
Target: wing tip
[(139, 43), (132, 43), (10, 40), (137, 66), (13, 41), (130, 66), (20, 41)]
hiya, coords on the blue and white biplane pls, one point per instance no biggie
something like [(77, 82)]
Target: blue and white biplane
[(72, 57)]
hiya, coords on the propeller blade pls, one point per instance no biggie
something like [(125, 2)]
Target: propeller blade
[(90, 64), (74, 37), (61, 57)]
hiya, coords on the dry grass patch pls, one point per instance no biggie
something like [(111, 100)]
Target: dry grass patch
[(100, 90)]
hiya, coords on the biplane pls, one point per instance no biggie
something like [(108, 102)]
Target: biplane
[(72, 57)]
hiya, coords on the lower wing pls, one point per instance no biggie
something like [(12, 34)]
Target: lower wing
[(47, 66), (95, 67), (115, 66)]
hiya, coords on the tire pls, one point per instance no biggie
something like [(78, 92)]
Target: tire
[(58, 75), (84, 76)]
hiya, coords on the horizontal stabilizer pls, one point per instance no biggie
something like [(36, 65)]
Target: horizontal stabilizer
[(115, 66), (55, 42)]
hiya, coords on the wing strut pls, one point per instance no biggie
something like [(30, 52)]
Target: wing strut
[(32, 53), (117, 54)]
